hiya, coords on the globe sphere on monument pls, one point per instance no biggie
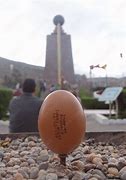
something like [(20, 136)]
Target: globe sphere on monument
[(58, 19)]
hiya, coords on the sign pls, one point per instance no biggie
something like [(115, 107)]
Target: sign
[(110, 94)]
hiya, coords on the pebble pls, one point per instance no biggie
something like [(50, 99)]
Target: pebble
[(78, 176), (43, 156), (34, 172), (1, 155), (18, 176), (113, 171), (28, 158), (97, 161), (51, 176), (78, 164), (123, 176), (44, 165)]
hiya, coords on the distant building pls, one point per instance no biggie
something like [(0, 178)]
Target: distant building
[(59, 68)]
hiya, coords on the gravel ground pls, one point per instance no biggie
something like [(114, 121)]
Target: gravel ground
[(27, 157), (101, 156)]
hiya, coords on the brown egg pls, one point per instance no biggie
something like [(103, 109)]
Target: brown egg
[(61, 122)]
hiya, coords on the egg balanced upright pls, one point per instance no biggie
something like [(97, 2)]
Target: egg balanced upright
[(61, 122)]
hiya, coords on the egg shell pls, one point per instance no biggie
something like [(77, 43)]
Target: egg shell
[(61, 122)]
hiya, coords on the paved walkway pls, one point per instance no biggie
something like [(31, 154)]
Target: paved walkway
[(95, 122), (4, 127), (99, 123), (99, 111)]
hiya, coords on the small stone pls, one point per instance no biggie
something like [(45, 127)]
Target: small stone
[(44, 165), (16, 166), (7, 157), (31, 161), (23, 153), (3, 173), (112, 160), (78, 164), (78, 156), (55, 158), (23, 144), (102, 167), (122, 171), (51, 176), (93, 178), (24, 164), (121, 163), (11, 163), (60, 174), (34, 172), (89, 166), (43, 156), (97, 172), (104, 159), (24, 173), (110, 148), (31, 144), (18, 176), (1, 155), (113, 171), (78, 176), (2, 164), (123, 152), (97, 160), (41, 178), (86, 150), (14, 154), (90, 157), (123, 176), (42, 175)]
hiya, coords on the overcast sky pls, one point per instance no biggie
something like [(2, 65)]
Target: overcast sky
[(97, 29)]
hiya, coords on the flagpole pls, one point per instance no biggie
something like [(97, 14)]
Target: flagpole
[(90, 75), (106, 78)]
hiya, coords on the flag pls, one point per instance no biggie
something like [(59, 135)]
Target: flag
[(104, 66), (97, 65)]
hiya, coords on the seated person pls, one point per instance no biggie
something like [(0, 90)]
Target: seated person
[(24, 109)]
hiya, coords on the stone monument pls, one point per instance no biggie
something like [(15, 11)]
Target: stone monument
[(59, 60)]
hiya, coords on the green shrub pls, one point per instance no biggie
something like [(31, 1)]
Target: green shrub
[(5, 97), (92, 103), (84, 93)]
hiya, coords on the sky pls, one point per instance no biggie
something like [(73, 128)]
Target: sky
[(97, 29)]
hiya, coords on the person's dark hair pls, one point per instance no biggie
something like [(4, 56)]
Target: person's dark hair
[(29, 85)]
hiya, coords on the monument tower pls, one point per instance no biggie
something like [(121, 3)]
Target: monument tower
[(59, 60)]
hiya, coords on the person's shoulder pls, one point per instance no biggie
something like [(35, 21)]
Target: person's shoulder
[(14, 101), (15, 98), (37, 99)]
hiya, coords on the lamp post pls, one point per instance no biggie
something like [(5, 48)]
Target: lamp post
[(90, 76), (106, 78)]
